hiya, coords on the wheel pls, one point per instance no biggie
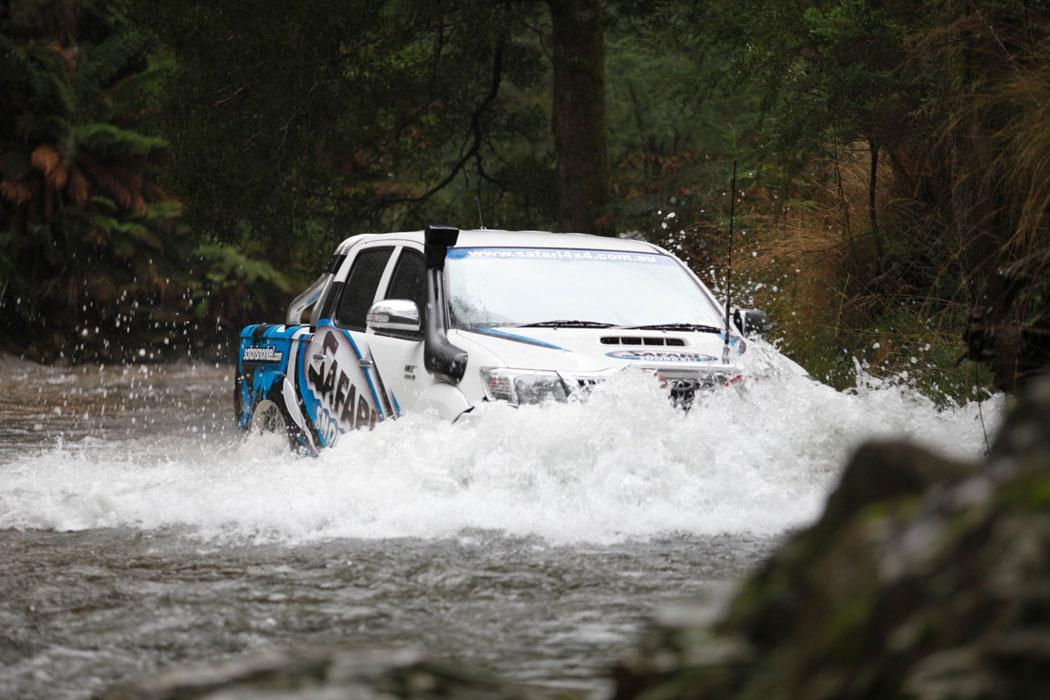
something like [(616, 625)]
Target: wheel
[(267, 417)]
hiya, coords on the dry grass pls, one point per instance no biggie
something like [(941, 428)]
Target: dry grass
[(825, 236), (944, 262)]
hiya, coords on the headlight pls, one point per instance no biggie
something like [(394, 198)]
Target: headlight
[(522, 386)]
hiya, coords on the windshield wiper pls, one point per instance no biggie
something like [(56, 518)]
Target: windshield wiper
[(688, 327), (565, 324)]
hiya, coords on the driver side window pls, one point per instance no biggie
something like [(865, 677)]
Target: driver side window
[(360, 289), (409, 280)]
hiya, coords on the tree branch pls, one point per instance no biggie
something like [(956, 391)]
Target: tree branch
[(475, 131)]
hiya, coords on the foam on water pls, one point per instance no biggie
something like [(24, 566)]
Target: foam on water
[(624, 465)]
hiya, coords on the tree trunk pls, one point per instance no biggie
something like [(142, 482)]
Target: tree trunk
[(579, 115), (994, 333), (847, 228), (873, 221)]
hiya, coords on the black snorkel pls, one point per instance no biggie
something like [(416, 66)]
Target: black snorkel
[(439, 355)]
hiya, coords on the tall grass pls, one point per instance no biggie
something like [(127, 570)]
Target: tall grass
[(956, 298)]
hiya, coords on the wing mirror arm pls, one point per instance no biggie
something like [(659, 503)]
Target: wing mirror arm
[(440, 356)]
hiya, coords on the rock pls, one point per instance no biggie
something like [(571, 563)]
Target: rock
[(321, 674), (924, 578)]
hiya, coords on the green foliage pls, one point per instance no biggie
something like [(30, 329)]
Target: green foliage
[(93, 252), (900, 125), (75, 183), (231, 282), (818, 72), (108, 140), (284, 127), (301, 143)]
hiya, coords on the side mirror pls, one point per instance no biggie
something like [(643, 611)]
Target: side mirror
[(398, 316), (751, 322)]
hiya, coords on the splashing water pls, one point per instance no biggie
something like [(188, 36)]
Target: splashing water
[(529, 541), (625, 465)]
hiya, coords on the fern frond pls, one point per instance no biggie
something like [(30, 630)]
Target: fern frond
[(107, 140), (105, 63), (17, 191)]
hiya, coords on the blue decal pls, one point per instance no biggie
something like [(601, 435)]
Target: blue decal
[(310, 401), (262, 361), (575, 254), (514, 336), (364, 370), (741, 346), (368, 375)]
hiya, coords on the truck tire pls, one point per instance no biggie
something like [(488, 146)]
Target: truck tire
[(267, 417)]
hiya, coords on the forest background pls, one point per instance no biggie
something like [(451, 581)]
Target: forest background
[(173, 169)]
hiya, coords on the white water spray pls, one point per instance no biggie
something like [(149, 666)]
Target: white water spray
[(624, 465)]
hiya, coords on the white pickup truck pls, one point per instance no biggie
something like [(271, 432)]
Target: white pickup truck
[(442, 320)]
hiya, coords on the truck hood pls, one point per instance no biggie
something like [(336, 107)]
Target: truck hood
[(598, 350)]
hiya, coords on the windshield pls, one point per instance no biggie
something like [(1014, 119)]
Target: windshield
[(519, 286)]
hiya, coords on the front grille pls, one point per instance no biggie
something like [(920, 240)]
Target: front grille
[(581, 386), (681, 386)]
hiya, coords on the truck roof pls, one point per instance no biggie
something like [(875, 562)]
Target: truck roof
[(498, 238)]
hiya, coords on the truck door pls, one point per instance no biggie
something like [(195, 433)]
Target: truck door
[(399, 357), (338, 384)]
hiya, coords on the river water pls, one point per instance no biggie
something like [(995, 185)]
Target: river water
[(139, 529)]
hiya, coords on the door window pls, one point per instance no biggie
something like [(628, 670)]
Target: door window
[(360, 289), (409, 280)]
